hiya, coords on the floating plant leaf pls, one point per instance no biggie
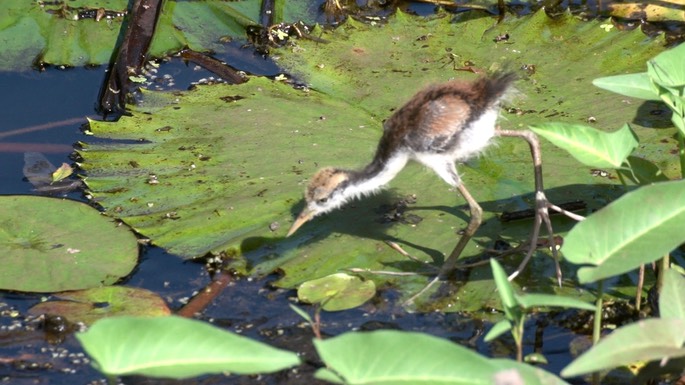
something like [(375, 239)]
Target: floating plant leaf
[(222, 168), (651, 11), (49, 245), (90, 305), (62, 172), (42, 175), (81, 32), (38, 169), (337, 291)]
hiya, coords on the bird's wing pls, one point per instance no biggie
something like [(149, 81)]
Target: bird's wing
[(439, 124)]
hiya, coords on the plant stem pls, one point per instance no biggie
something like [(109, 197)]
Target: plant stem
[(664, 264), (518, 337), (316, 325), (640, 285), (597, 326), (681, 153)]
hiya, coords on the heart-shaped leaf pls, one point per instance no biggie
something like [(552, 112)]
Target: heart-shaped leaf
[(645, 340), (640, 227), (175, 347), (589, 145)]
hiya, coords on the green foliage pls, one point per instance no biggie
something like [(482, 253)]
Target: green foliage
[(664, 80), (337, 291), (516, 305), (647, 340), (588, 145), (643, 225), (175, 347), (672, 296), (67, 33), (394, 358), (640, 227), (61, 245), (633, 85), (641, 171)]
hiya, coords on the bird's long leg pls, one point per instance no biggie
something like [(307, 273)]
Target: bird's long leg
[(451, 261), (474, 224), (542, 205)]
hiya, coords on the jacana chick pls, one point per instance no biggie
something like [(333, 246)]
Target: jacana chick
[(440, 125)]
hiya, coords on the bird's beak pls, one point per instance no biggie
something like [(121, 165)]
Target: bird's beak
[(304, 216)]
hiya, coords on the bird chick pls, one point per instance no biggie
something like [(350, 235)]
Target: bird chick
[(439, 126)]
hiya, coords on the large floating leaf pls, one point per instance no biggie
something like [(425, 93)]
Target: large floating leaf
[(671, 10), (175, 347), (223, 168), (337, 291), (220, 167), (90, 305), (49, 245), (638, 228), (66, 33)]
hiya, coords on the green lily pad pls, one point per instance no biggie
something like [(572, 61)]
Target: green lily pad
[(90, 305), (67, 33), (221, 169), (49, 245), (337, 291)]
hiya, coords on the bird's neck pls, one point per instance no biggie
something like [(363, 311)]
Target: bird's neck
[(376, 175)]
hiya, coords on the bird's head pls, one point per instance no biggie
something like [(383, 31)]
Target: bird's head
[(326, 192)]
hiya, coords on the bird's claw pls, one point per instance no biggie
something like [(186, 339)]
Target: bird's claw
[(542, 206)]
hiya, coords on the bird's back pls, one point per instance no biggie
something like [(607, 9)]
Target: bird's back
[(456, 118)]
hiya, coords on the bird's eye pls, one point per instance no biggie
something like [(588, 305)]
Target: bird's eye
[(322, 200)]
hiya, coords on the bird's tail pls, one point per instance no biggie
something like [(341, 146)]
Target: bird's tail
[(495, 87)]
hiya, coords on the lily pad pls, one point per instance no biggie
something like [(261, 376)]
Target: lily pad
[(81, 32), (337, 291), (90, 305), (49, 245), (221, 169)]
